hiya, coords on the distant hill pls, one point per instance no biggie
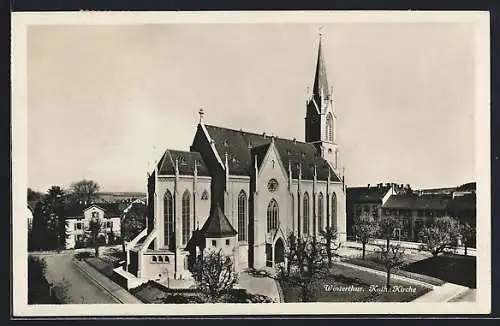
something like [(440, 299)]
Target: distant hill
[(118, 196)]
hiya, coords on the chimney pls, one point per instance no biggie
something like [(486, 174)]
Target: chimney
[(368, 185), (264, 134), (295, 140)]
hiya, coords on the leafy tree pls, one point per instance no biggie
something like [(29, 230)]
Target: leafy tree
[(84, 190), (214, 274), (386, 227), (133, 222), (36, 278), (467, 235), (365, 228), (49, 225), (331, 247), (391, 257), (34, 195), (441, 234)]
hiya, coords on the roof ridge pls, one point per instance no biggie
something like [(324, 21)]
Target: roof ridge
[(257, 134)]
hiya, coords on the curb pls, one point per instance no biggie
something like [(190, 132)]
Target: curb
[(96, 282)]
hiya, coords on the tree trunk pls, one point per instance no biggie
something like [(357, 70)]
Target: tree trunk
[(388, 284), (465, 250), (364, 249), (388, 242)]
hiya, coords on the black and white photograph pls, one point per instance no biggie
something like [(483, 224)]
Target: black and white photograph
[(224, 163)]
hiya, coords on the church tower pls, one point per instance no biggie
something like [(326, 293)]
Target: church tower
[(321, 118)]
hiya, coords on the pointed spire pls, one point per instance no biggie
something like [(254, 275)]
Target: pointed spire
[(201, 112), (320, 87)]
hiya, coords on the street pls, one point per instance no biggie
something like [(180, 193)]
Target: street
[(80, 288)]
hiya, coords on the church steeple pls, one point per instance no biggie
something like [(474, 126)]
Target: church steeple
[(320, 87), (320, 121)]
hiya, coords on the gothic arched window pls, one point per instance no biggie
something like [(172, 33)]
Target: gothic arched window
[(334, 211), (306, 214), (320, 211), (186, 198), (272, 215), (168, 219), (242, 216), (329, 126)]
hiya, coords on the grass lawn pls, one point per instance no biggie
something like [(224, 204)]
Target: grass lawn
[(450, 268), (353, 285)]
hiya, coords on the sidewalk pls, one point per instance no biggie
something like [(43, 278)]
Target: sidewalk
[(115, 290), (443, 293), (259, 285)]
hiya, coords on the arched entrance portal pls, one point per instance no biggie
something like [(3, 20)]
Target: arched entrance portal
[(279, 251)]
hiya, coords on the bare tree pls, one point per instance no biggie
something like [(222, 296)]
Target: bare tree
[(391, 257), (308, 267), (331, 247), (467, 235), (365, 228), (214, 274), (386, 227), (84, 190), (95, 229), (441, 234)]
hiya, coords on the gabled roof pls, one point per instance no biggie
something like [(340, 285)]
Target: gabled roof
[(217, 225), (238, 144), (77, 210), (366, 194), (186, 162), (412, 202)]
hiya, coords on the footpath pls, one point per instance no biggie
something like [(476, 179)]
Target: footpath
[(119, 294), (443, 293)]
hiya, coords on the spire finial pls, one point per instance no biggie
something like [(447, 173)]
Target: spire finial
[(201, 112), (320, 32)]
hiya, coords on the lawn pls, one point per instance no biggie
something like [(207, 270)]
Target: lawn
[(346, 284), (450, 268)]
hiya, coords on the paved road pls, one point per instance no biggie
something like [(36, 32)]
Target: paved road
[(81, 289)]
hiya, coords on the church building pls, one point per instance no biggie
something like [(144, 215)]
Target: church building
[(243, 192)]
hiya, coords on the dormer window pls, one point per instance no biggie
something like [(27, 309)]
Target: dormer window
[(182, 160), (226, 143), (204, 195)]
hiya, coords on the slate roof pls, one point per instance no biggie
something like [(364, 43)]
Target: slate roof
[(238, 145), (366, 194), (465, 202), (429, 202), (217, 225), (76, 210), (186, 161)]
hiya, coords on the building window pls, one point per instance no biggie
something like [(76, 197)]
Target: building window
[(333, 223), (320, 211), (242, 216), (168, 220), (185, 216), (272, 215), (160, 259), (329, 126), (166, 260), (78, 226), (153, 259), (95, 214), (272, 185), (305, 227), (204, 195), (228, 242), (214, 243)]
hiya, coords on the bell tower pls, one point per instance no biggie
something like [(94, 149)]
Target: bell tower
[(321, 118)]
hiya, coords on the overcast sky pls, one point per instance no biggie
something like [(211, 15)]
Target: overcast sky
[(104, 102)]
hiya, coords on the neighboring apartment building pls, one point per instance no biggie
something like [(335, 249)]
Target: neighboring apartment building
[(78, 219), (367, 199)]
